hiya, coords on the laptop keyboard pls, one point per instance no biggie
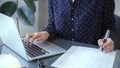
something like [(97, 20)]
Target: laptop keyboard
[(34, 50)]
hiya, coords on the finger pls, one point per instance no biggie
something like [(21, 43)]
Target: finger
[(109, 49), (109, 45), (109, 42), (36, 35), (27, 37), (100, 42)]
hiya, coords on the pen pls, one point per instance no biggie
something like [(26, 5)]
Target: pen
[(107, 34)]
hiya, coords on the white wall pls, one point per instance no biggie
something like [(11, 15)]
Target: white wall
[(29, 29), (41, 21), (43, 15), (117, 7), (41, 18)]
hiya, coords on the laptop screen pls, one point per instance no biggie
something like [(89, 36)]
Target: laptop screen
[(10, 35)]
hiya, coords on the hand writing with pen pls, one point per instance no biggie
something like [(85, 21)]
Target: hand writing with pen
[(106, 44)]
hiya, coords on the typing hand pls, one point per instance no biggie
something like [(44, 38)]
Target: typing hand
[(38, 36), (107, 46)]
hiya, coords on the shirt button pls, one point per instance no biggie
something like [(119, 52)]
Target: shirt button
[(73, 1), (72, 19), (72, 39), (72, 8), (72, 30)]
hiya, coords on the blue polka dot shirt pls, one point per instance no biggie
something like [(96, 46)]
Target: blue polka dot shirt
[(85, 21)]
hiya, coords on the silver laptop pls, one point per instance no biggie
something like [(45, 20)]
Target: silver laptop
[(10, 36)]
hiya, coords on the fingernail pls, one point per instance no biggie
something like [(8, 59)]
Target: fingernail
[(30, 44), (101, 43)]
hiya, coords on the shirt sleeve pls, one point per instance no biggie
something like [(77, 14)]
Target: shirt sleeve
[(51, 23), (108, 19)]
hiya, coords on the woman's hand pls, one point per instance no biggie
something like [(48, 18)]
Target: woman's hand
[(108, 46), (38, 36)]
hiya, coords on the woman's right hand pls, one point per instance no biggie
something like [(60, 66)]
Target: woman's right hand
[(38, 36)]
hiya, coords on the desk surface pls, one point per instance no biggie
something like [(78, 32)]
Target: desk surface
[(66, 45)]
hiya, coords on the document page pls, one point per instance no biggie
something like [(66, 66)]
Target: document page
[(85, 57)]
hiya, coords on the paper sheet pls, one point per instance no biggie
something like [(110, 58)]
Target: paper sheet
[(84, 57)]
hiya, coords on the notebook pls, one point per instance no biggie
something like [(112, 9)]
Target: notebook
[(10, 36), (85, 57)]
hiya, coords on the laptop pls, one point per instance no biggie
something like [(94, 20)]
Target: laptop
[(11, 38)]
